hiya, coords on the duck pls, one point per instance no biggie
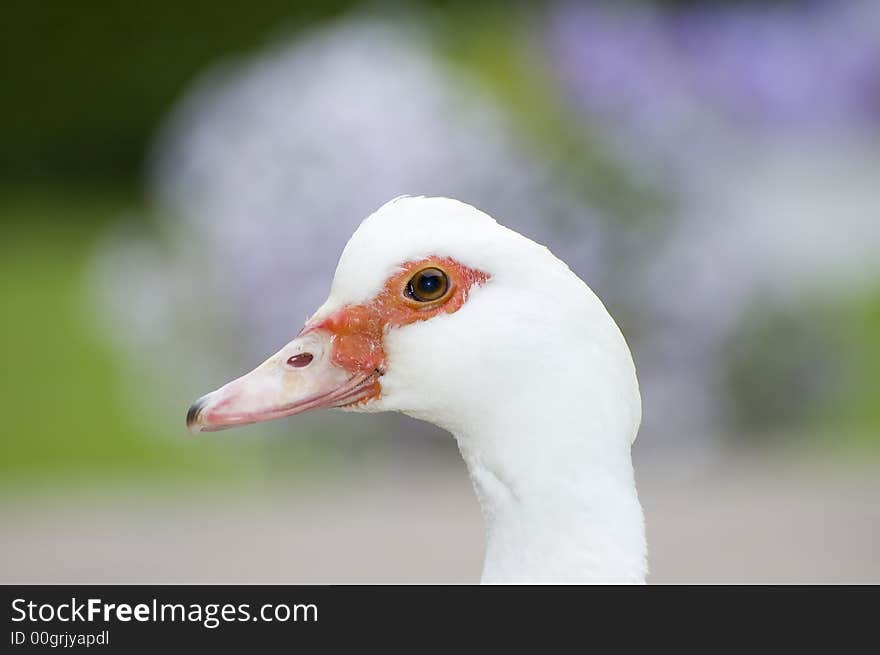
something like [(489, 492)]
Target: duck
[(438, 311)]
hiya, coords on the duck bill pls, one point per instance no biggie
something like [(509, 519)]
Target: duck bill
[(298, 378)]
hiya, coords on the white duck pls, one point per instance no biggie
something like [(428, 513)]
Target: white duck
[(439, 312)]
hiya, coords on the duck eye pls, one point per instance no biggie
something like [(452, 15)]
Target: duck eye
[(427, 285)]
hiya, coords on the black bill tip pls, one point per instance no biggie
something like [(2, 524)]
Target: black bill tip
[(192, 415)]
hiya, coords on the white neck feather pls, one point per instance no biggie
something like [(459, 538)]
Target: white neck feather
[(561, 515)]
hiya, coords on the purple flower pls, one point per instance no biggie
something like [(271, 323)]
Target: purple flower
[(810, 66)]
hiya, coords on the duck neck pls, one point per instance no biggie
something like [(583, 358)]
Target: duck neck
[(560, 505)]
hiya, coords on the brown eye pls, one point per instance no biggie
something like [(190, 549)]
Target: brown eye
[(427, 285)]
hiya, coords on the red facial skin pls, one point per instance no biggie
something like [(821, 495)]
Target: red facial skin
[(357, 330)]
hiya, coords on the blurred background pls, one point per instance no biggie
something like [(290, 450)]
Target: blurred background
[(177, 180)]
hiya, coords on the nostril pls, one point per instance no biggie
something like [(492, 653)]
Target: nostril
[(301, 360)]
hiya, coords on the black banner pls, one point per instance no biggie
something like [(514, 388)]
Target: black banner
[(150, 618)]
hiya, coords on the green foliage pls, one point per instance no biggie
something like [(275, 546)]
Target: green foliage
[(812, 366), (85, 83), (64, 414), (857, 402)]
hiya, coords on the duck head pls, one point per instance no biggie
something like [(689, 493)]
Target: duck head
[(439, 312)]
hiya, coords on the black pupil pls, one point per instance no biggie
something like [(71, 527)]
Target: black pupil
[(429, 283)]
